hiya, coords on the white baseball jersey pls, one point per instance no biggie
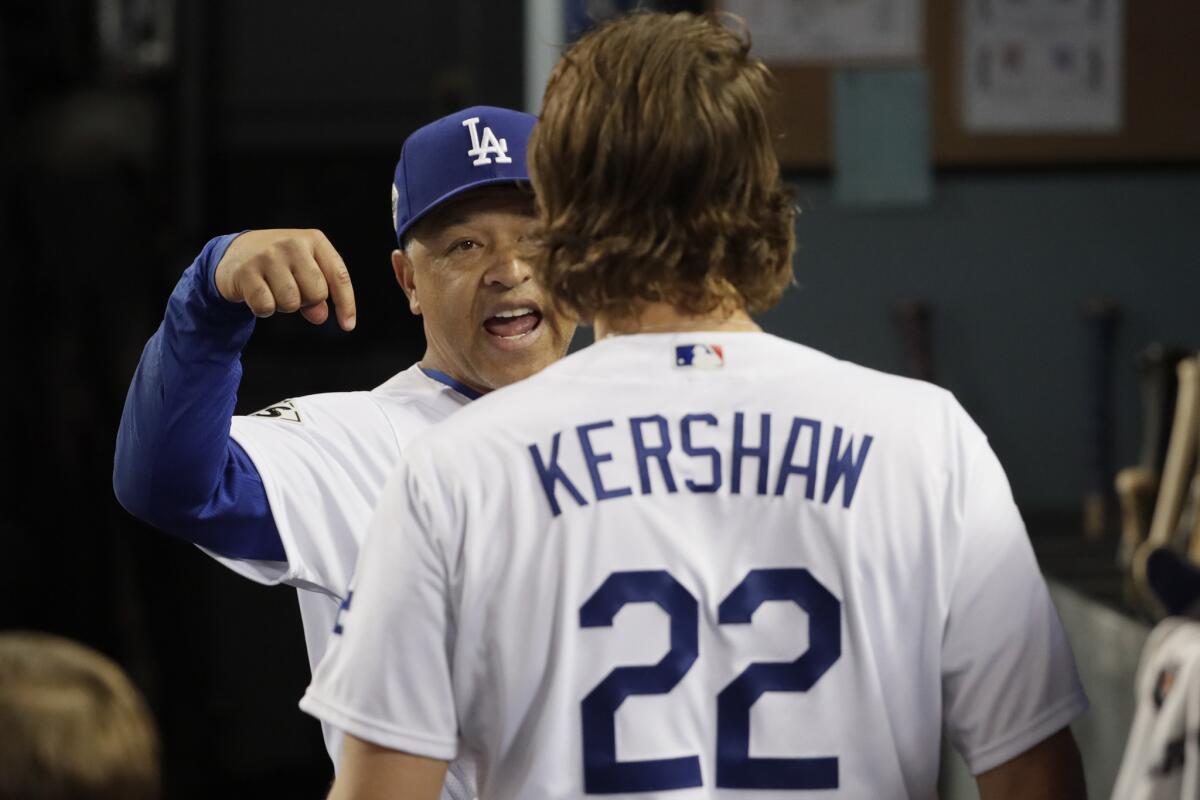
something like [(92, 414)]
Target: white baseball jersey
[(323, 460), (701, 565), (1162, 758)]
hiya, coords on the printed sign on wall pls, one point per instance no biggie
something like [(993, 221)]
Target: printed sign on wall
[(1042, 65)]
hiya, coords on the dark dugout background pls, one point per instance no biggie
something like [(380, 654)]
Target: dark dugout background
[(132, 131)]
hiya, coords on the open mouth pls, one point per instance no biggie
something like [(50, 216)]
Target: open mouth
[(513, 323)]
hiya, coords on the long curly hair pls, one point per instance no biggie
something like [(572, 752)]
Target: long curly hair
[(655, 172)]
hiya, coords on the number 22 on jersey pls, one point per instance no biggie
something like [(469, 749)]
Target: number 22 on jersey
[(736, 769)]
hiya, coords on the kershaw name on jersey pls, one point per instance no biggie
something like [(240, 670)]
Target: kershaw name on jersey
[(771, 573), (666, 455)]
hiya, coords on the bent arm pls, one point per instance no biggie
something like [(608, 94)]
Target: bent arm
[(371, 772), (176, 466), (1051, 770)]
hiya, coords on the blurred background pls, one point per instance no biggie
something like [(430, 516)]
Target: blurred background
[(997, 196)]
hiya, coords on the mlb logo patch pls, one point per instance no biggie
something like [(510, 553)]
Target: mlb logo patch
[(704, 356)]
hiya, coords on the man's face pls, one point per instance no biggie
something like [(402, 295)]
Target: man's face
[(487, 323)]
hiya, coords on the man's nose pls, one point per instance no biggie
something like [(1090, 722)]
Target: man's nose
[(508, 267)]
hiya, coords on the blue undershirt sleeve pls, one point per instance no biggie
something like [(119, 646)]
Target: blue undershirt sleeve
[(176, 466)]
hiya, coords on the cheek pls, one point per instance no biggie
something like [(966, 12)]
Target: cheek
[(563, 328), (451, 302), (566, 331)]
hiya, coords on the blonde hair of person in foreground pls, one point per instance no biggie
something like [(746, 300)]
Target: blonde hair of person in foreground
[(74, 726)]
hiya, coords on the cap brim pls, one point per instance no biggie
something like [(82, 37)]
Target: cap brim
[(448, 196)]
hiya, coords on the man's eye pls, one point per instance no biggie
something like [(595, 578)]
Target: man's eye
[(463, 245)]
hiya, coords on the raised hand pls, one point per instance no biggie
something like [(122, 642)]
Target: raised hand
[(287, 270)]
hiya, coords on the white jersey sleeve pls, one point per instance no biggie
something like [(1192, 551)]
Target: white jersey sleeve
[(322, 460), (1009, 679), (386, 675)]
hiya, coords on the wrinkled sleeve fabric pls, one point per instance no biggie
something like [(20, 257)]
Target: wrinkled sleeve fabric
[(176, 466), (1008, 676), (323, 462)]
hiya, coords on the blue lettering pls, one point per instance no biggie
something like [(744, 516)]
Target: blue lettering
[(594, 460), (712, 452), (845, 464), (741, 451), (809, 469), (552, 475), (644, 454)]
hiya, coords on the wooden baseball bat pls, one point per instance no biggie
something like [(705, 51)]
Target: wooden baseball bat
[(1177, 474), (1193, 534), (1137, 486), (1158, 384)]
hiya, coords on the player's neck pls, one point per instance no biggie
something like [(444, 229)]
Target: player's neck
[(433, 360), (666, 318)]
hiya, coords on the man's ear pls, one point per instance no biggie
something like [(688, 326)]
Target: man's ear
[(406, 276)]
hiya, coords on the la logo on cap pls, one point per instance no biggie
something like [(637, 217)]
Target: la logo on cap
[(489, 145)]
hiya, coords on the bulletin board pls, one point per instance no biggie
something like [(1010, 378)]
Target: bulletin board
[(1161, 100)]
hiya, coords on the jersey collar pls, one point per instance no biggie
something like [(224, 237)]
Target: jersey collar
[(458, 386)]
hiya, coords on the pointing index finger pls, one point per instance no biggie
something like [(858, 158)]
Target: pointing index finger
[(337, 277)]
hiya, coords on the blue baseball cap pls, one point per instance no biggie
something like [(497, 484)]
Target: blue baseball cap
[(475, 147)]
